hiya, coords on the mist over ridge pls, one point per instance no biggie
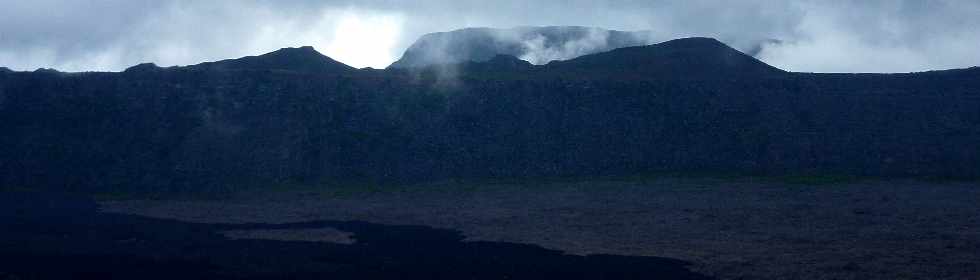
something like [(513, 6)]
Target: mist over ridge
[(883, 36), (487, 140), (537, 45), (295, 115)]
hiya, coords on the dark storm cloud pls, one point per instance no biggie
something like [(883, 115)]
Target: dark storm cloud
[(837, 36)]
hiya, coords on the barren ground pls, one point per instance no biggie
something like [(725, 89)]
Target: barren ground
[(730, 228)]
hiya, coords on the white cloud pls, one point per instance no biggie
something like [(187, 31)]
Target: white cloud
[(819, 35), (883, 36), (364, 39), (537, 53)]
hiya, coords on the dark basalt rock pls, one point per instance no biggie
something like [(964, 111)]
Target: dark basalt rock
[(48, 236)]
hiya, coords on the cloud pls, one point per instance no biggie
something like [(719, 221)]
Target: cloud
[(825, 35), (365, 40), (537, 45), (538, 50), (880, 36), (119, 33)]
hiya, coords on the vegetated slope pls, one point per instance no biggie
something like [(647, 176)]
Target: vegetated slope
[(190, 128)]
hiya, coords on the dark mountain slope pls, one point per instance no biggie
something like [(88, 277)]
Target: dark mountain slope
[(207, 128), (535, 44), (690, 58), (495, 68), (302, 59), (501, 63), (143, 68)]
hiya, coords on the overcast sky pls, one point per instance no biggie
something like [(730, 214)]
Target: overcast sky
[(817, 35)]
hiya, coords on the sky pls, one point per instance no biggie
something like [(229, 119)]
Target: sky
[(813, 35)]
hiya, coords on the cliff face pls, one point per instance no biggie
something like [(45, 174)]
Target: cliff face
[(236, 123)]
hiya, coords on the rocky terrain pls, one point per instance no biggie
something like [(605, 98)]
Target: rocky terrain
[(728, 228), (52, 236)]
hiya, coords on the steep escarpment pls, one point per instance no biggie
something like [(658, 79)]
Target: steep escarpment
[(679, 106)]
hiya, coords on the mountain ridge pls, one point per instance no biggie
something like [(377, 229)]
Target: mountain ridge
[(694, 57), (657, 108), (301, 59), (307, 59), (666, 59), (537, 45)]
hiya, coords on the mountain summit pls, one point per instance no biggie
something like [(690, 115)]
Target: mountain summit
[(687, 105), (682, 58), (302, 59), (537, 45)]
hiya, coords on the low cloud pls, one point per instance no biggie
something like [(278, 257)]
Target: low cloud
[(537, 45), (538, 49), (817, 36), (122, 33), (880, 36)]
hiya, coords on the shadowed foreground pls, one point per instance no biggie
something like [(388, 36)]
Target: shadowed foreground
[(733, 228), (57, 237)]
